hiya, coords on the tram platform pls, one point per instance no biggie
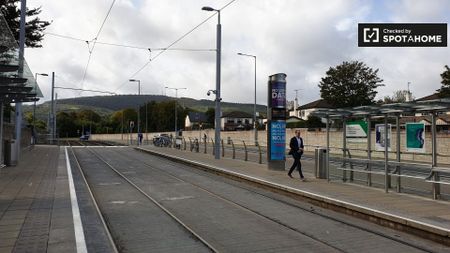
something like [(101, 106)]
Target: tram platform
[(35, 209), (418, 215), (37, 206)]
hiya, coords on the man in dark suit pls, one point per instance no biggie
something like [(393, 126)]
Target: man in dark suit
[(296, 145)]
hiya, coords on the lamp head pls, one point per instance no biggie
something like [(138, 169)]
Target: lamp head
[(207, 8)]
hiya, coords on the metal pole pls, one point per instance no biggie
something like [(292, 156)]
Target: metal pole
[(1, 133), (33, 134), (52, 114), (436, 187), (54, 122), (328, 149), (369, 152), (146, 122), (123, 111), (139, 112), (344, 147), (18, 129), (218, 112), (386, 155), (176, 100), (254, 112), (397, 123)]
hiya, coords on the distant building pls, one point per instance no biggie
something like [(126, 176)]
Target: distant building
[(305, 110), (194, 120), (236, 120)]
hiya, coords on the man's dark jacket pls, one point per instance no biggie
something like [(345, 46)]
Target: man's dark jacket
[(294, 145)]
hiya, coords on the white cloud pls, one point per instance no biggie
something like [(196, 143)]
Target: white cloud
[(300, 38)]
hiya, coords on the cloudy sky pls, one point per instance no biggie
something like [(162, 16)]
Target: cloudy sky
[(301, 38)]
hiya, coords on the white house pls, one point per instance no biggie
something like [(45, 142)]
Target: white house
[(305, 110), (194, 119), (231, 121)]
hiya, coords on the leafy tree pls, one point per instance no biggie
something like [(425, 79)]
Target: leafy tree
[(210, 115), (34, 27), (350, 84), (399, 96), (314, 122), (444, 91)]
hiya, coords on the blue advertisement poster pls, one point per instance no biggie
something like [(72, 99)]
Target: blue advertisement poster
[(278, 95), (277, 140)]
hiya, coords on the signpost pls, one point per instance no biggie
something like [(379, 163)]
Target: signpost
[(356, 131), (276, 121)]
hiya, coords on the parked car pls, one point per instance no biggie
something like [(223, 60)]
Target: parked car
[(84, 137)]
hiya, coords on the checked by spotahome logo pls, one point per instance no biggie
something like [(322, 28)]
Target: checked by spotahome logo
[(402, 35)]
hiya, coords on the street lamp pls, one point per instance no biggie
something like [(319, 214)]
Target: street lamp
[(254, 106), (138, 112), (34, 105), (176, 100), (218, 55)]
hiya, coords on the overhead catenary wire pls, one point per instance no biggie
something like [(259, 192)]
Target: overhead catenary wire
[(91, 50), (130, 46), (173, 43), (77, 89)]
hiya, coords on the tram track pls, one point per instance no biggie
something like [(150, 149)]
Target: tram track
[(309, 209), (224, 199), (97, 209), (165, 210), (255, 212)]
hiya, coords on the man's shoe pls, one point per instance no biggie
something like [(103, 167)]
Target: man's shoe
[(290, 175), (303, 179)]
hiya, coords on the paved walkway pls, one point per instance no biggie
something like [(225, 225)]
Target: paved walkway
[(419, 213), (35, 209)]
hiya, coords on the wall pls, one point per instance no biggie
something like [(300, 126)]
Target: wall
[(313, 139)]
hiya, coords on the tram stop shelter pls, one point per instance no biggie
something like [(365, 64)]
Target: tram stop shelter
[(427, 173), (17, 84)]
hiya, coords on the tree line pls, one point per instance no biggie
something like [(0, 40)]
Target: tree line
[(154, 117)]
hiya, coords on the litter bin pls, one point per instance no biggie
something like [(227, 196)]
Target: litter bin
[(320, 169), (10, 153)]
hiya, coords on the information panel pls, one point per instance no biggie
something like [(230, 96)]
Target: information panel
[(277, 140), (278, 91), (415, 137), (379, 137)]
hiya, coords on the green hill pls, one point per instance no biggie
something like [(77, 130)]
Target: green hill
[(105, 105)]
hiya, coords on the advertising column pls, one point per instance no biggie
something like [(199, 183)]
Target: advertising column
[(276, 122)]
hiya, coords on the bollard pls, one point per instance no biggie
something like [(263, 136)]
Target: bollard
[(190, 144), (245, 151), (205, 145), (260, 154), (234, 151), (223, 148), (213, 149), (197, 145), (184, 140)]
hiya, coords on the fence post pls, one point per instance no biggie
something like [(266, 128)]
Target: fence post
[(245, 151), (234, 151), (260, 154), (223, 148)]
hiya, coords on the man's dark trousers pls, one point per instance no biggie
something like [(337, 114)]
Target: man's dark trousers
[(297, 164)]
